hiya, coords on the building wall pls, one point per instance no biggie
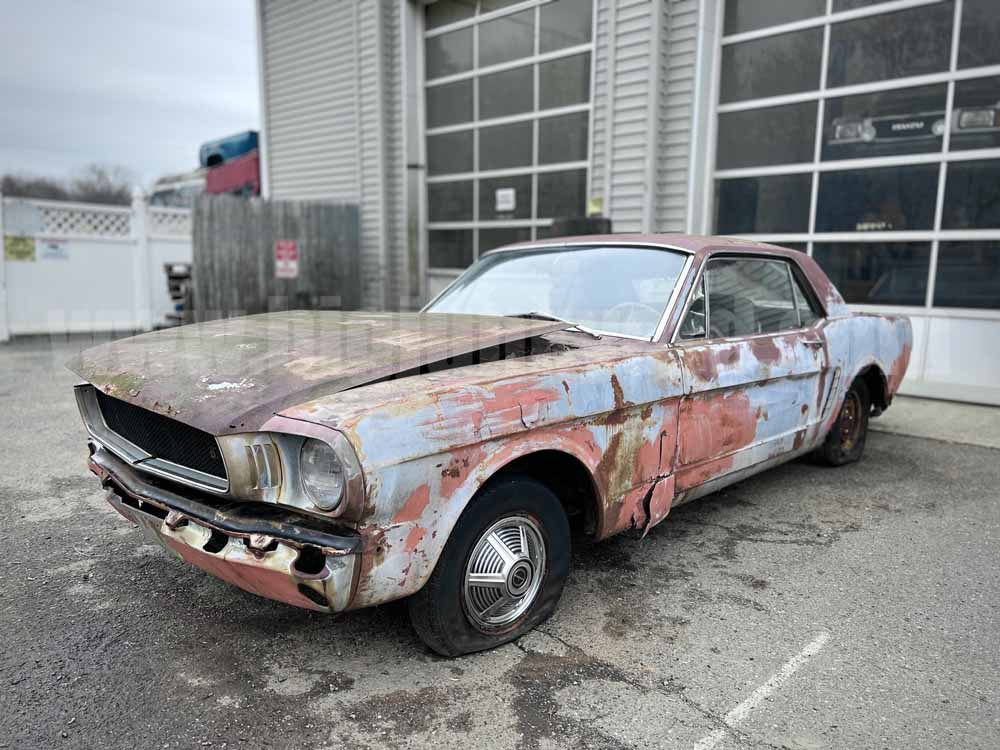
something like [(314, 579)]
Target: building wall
[(333, 122), (337, 114)]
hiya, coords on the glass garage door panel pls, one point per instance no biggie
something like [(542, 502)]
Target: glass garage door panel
[(877, 273), (758, 205), (968, 275), (909, 42), (749, 15), (885, 123), (889, 199), (783, 64), (507, 111), (771, 135)]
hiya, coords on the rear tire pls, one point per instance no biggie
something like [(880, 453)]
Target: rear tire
[(501, 573), (845, 442)]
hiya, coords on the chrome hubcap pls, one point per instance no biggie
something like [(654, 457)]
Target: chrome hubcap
[(504, 572)]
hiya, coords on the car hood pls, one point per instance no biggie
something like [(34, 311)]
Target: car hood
[(232, 375)]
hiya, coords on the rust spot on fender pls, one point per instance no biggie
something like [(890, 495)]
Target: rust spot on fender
[(415, 505)]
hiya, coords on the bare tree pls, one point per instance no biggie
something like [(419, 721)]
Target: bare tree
[(100, 183), (96, 183), (31, 186)]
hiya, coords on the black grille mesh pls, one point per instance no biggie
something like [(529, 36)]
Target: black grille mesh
[(161, 436)]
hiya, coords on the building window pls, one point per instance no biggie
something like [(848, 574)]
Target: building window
[(866, 134), (507, 110)]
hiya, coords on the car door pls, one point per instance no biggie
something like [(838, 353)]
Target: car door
[(753, 359)]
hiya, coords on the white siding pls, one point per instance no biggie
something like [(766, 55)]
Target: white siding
[(333, 104), (675, 117), (625, 137), (309, 88)]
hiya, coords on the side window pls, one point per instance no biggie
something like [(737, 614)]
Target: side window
[(694, 325), (749, 296), (807, 311)]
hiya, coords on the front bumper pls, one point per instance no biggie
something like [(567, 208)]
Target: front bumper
[(261, 548)]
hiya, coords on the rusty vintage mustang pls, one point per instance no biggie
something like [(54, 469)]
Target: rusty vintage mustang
[(569, 388)]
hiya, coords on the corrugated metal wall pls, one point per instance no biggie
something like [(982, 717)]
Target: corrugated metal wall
[(333, 121)]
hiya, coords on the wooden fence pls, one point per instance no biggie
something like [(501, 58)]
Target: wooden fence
[(236, 242)]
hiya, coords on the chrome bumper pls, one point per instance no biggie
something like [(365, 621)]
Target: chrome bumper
[(266, 551)]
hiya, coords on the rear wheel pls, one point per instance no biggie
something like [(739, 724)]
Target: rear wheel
[(501, 572), (846, 441)]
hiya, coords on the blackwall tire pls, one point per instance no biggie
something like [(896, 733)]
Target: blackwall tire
[(845, 442), (501, 573)]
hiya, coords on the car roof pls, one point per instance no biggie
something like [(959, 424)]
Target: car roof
[(691, 243)]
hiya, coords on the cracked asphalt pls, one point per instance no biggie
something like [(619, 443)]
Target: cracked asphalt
[(110, 643)]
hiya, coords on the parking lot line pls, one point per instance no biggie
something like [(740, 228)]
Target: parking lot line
[(742, 711)]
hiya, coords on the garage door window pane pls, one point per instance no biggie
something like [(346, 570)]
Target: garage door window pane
[(747, 15), (887, 123), (449, 53), (562, 194), (564, 81), (508, 93), (491, 238), (449, 153), (449, 104), (563, 138), (839, 5), (972, 195), (976, 123), (877, 273), (979, 41), (449, 248), (449, 11), (906, 43), (507, 38), (520, 184), (763, 204), (450, 201), (968, 275), (884, 200), (505, 146), (564, 23), (774, 135), (782, 64)]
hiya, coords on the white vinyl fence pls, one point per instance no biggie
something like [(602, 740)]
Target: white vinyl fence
[(84, 268)]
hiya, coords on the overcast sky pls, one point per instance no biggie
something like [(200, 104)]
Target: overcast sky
[(140, 83)]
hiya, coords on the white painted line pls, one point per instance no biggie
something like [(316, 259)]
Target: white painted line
[(742, 711)]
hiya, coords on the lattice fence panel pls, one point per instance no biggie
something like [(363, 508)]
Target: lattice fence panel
[(168, 222), (77, 221)]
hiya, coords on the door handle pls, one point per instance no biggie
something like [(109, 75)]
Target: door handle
[(813, 343)]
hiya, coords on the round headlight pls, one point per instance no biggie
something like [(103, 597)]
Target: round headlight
[(322, 474)]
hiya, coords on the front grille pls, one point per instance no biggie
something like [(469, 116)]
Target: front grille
[(162, 437)]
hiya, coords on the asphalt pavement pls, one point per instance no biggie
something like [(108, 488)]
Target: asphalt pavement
[(805, 608)]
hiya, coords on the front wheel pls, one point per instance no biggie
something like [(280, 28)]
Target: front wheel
[(501, 572), (846, 441)]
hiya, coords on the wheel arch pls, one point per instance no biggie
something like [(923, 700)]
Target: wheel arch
[(566, 476)]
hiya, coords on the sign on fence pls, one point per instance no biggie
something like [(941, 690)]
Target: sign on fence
[(286, 259)]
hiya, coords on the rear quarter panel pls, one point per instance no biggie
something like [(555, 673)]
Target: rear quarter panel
[(863, 340)]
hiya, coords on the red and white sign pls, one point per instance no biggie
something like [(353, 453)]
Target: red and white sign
[(286, 259)]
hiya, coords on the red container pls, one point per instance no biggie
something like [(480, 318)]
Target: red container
[(240, 176)]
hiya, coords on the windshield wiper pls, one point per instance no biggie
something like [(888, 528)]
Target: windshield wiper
[(546, 316)]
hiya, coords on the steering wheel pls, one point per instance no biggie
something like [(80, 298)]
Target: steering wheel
[(646, 314)]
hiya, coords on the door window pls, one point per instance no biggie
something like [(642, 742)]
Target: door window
[(746, 297)]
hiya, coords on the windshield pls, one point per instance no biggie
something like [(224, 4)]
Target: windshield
[(614, 290)]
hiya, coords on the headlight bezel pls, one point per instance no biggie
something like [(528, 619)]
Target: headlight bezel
[(239, 453)]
